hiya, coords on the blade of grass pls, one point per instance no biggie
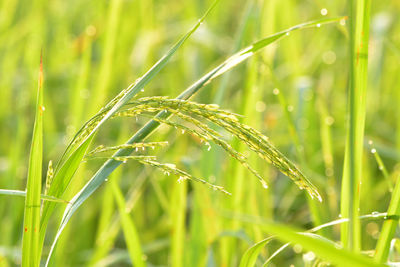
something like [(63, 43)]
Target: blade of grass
[(128, 226), (250, 256), (254, 251), (322, 248), (23, 194), (389, 227), (110, 165), (30, 238), (350, 196)]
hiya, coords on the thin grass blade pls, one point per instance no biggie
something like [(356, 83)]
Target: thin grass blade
[(325, 250), (128, 226), (23, 194), (30, 238), (389, 227), (250, 256)]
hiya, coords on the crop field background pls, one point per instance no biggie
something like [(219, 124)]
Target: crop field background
[(310, 92)]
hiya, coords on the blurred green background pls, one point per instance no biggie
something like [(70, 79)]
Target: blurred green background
[(294, 92)]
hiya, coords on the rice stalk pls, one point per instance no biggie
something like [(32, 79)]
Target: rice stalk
[(352, 171), (115, 105)]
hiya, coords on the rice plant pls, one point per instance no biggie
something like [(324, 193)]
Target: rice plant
[(212, 174)]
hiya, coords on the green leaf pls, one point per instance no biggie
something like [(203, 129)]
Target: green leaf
[(250, 256), (389, 227), (30, 238), (128, 226), (23, 194), (325, 250)]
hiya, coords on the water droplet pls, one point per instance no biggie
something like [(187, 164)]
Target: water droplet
[(324, 12), (265, 185), (329, 57), (297, 248), (375, 213), (124, 161), (342, 22), (340, 216), (260, 106), (106, 180), (142, 90), (318, 25), (143, 148), (329, 120), (290, 108), (373, 151), (137, 149), (152, 147), (183, 131), (309, 256), (370, 142), (287, 34), (91, 30), (380, 168)]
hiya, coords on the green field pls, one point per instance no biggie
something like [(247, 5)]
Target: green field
[(199, 133)]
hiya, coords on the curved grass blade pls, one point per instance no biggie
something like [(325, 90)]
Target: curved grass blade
[(325, 250), (30, 238), (110, 165), (389, 227), (255, 249), (23, 194), (250, 256)]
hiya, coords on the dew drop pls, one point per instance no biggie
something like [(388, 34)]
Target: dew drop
[(106, 180), (373, 151), (287, 34), (318, 25), (142, 90), (324, 12), (309, 256), (183, 131), (370, 142), (137, 149)]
